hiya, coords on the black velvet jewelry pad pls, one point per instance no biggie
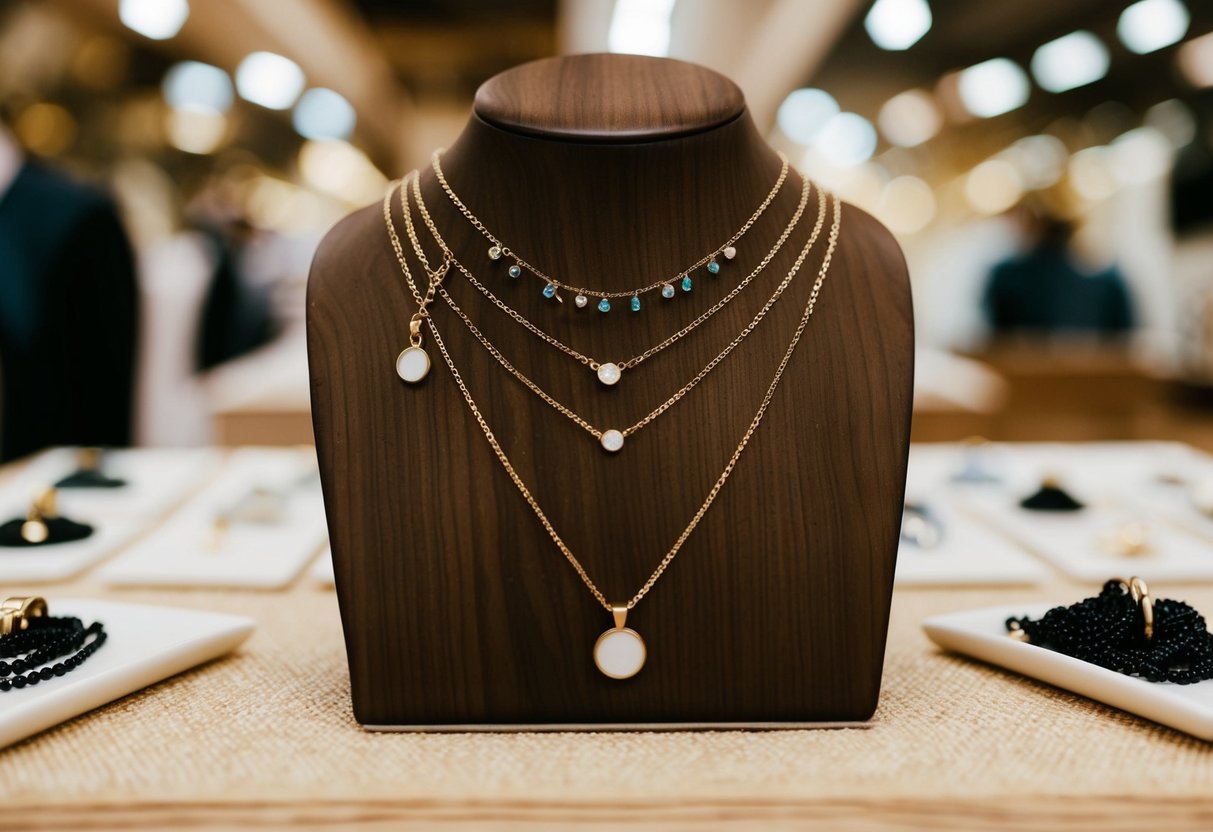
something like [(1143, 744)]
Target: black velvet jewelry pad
[(1051, 498), (59, 530), (86, 478)]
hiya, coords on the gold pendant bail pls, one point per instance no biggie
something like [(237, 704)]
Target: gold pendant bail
[(620, 611), (415, 329)]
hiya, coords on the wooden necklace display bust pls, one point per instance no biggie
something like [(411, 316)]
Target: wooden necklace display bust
[(457, 608)]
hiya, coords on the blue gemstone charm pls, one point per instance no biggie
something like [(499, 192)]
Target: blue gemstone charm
[(549, 291), (713, 267), (686, 283), (635, 303), (604, 305), (667, 291), (516, 270)]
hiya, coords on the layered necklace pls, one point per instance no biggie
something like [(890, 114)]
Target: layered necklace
[(710, 262), (610, 439), (619, 652)]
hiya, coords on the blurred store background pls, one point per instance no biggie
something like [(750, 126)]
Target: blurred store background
[(1046, 164)]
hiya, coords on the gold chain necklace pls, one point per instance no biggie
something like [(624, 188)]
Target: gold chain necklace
[(610, 372), (611, 440), (619, 652), (551, 289)]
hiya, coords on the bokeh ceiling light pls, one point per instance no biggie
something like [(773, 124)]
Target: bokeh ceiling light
[(1174, 119), (910, 118), (1072, 61), (993, 186), (155, 19), (195, 84), (324, 114), (804, 113), (339, 169), (907, 205), (846, 140), (641, 27), (993, 87), (897, 24), (46, 129), (270, 80), (1196, 61), (1150, 25)]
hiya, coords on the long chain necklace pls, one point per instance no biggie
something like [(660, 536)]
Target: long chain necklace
[(611, 440), (610, 372), (551, 289), (620, 651)]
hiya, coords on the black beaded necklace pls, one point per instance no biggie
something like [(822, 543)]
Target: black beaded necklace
[(48, 647), (1123, 629)]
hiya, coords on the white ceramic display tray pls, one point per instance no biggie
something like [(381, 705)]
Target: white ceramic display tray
[(62, 561), (157, 479), (188, 551), (1077, 542), (969, 554), (144, 645), (982, 634)]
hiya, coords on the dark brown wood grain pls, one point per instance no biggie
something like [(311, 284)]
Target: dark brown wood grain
[(457, 607)]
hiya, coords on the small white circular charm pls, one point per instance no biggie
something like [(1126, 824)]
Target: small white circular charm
[(612, 440), (413, 364), (729, 252), (620, 653), (609, 373)]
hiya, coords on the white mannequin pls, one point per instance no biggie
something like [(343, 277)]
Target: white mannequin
[(11, 159)]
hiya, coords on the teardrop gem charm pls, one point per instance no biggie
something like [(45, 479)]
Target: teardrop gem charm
[(713, 267), (667, 291), (686, 283), (581, 301), (604, 305), (549, 291), (729, 252), (635, 304)]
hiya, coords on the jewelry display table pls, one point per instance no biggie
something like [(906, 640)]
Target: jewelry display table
[(266, 738)]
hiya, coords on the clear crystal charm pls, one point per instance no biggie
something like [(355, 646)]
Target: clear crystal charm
[(729, 252), (609, 373), (495, 252), (667, 291), (612, 440), (581, 301)]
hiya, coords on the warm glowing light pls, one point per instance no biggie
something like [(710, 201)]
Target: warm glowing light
[(910, 118), (846, 140), (339, 169), (1139, 156), (907, 205), (641, 27), (1069, 62), (1174, 120), (804, 113), (195, 129), (324, 114), (1041, 160), (993, 186), (194, 84), (46, 129), (155, 19), (1196, 61), (1090, 176), (993, 87), (270, 80), (1150, 25), (897, 24)]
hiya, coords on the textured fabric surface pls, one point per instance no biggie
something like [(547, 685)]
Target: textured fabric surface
[(272, 725)]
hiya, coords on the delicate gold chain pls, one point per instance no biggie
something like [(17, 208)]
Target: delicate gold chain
[(553, 402), (506, 251), (649, 353), (712, 493)]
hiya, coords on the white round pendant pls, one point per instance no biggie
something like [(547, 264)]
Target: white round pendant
[(413, 364), (609, 373), (620, 653), (612, 440)]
